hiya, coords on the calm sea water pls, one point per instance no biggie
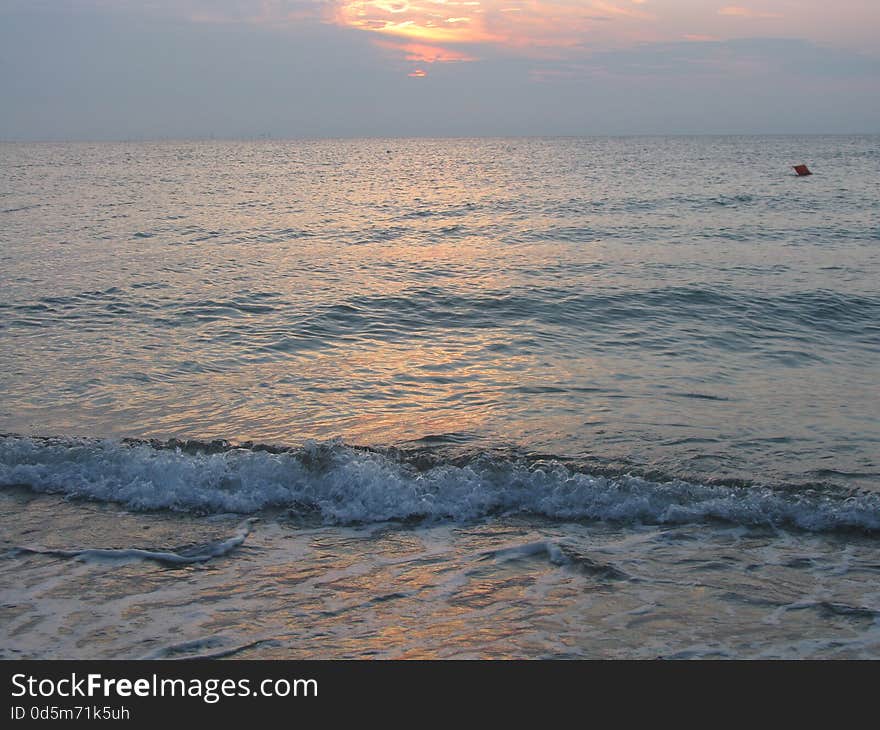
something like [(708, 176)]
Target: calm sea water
[(512, 397)]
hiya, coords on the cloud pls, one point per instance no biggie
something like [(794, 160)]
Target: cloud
[(741, 12), (247, 12), (425, 53), (447, 31), (758, 58), (507, 23), (102, 75)]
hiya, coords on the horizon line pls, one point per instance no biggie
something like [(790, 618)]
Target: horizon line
[(353, 138)]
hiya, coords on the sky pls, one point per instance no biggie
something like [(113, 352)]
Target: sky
[(183, 69)]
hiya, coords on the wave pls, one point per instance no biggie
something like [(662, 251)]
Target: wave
[(208, 647), (187, 556), (342, 484), (689, 315), (793, 328), (559, 554)]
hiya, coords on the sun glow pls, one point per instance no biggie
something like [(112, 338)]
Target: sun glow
[(425, 53), (437, 21), (510, 23)]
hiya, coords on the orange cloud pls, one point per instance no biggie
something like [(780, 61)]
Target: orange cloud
[(438, 21), (424, 53), (512, 23)]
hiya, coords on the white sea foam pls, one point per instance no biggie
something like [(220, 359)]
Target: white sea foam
[(345, 485)]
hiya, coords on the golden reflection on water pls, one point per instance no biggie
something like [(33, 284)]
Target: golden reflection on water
[(540, 292)]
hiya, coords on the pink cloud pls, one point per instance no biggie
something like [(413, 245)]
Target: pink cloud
[(741, 12)]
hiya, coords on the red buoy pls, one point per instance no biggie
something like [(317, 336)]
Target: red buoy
[(802, 170)]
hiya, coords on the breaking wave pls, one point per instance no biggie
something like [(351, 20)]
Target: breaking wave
[(342, 484)]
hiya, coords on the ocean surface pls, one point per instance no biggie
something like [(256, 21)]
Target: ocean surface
[(575, 397)]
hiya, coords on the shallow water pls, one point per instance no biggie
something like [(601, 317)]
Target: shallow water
[(505, 588), (609, 397)]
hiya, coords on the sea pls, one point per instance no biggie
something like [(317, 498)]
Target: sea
[(582, 398)]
